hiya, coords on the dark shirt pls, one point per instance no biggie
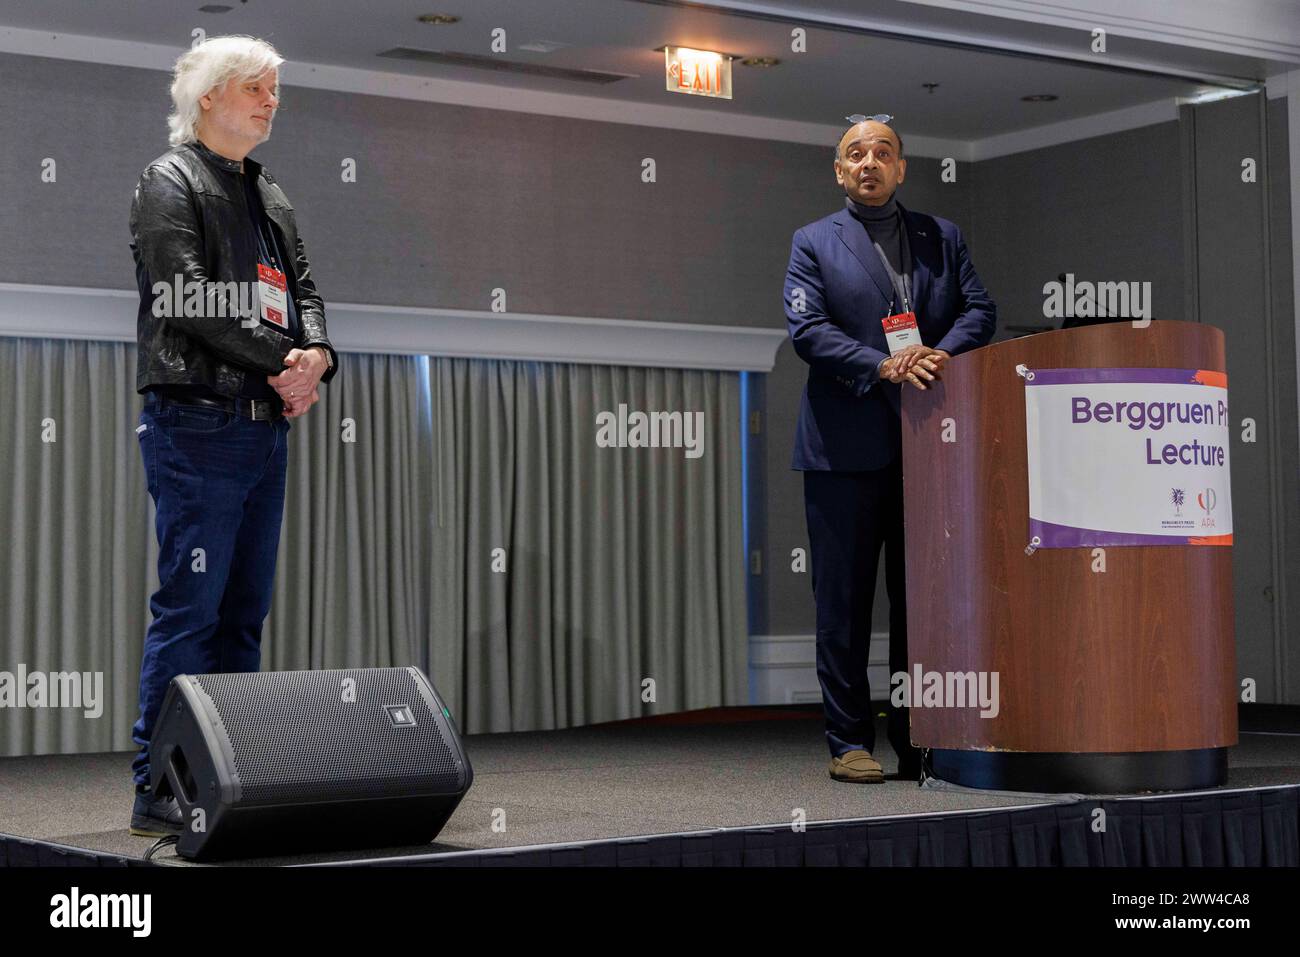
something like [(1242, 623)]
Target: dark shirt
[(884, 225), (270, 252)]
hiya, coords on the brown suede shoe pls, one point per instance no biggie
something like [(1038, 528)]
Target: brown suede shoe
[(858, 767)]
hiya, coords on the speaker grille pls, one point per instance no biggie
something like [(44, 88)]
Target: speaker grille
[(295, 737)]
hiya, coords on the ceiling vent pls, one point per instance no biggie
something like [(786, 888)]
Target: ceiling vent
[(499, 65)]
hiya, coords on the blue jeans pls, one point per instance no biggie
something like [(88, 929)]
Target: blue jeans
[(217, 481)]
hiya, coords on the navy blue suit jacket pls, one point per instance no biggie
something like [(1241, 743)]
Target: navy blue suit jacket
[(849, 419)]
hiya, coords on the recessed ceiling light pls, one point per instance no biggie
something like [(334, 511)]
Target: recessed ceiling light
[(725, 56), (1039, 98), (1209, 96), (543, 46), (215, 8), (759, 61), (439, 19)]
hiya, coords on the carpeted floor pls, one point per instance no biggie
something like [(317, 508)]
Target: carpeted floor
[(613, 780)]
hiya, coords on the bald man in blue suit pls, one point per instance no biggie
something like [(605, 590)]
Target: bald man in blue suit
[(847, 272)]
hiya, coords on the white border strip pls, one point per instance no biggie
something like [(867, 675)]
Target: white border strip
[(68, 312)]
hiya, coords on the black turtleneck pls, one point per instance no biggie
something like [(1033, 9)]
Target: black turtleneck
[(884, 227)]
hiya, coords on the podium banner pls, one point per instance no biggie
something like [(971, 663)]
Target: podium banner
[(1127, 457)]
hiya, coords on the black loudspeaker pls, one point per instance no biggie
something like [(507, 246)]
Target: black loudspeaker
[(280, 761)]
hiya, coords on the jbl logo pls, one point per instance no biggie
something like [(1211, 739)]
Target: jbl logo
[(401, 716)]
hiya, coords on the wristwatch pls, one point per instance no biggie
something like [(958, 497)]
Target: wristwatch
[(329, 362)]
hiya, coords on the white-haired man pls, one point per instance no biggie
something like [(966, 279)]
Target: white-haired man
[(231, 345)]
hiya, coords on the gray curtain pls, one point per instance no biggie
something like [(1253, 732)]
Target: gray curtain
[(455, 514)]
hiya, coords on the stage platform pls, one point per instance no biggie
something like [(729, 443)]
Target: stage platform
[(724, 786)]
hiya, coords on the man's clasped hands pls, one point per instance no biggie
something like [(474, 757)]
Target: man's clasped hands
[(297, 383), (916, 364)]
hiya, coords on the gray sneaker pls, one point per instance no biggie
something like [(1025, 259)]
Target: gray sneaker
[(154, 816)]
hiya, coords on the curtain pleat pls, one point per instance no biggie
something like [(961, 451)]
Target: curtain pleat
[(595, 584), (454, 514)]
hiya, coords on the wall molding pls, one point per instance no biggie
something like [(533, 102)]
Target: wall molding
[(1069, 131), (1129, 18), (1284, 84), (783, 669), (1293, 156), (71, 312), (1288, 85)]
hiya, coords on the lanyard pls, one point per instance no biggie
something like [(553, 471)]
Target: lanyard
[(267, 249), (902, 284)]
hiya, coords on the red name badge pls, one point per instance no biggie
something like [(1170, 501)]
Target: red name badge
[(272, 294), (901, 331)]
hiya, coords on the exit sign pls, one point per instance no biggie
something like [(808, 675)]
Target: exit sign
[(697, 72)]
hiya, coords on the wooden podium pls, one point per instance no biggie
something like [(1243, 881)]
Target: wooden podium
[(1110, 682)]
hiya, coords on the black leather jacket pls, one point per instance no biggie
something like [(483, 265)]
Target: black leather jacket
[(190, 218)]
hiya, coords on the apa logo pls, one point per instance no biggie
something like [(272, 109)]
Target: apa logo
[(1207, 500)]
